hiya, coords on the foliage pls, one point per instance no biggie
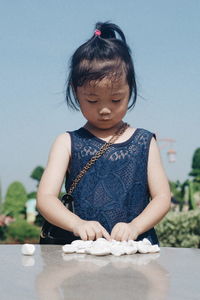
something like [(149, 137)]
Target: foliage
[(178, 192), (191, 200), (2, 232), (32, 195), (180, 229), (15, 200), (37, 173), (1, 198), (4, 222), (21, 231), (196, 166), (196, 159), (39, 219)]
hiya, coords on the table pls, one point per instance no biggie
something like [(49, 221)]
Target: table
[(174, 273)]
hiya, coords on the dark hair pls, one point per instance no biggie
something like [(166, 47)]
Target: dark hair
[(101, 56)]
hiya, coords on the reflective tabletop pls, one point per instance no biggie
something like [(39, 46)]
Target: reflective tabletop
[(174, 273)]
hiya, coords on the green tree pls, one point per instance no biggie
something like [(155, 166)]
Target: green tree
[(15, 200), (195, 172), (178, 192), (37, 174), (1, 198), (32, 195)]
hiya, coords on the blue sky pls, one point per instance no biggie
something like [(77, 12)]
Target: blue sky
[(37, 40)]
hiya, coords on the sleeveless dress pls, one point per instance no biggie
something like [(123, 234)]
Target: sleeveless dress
[(115, 188)]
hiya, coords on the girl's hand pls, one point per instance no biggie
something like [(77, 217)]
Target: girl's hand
[(90, 230), (124, 232)]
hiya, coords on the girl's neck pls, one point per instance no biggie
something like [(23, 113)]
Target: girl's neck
[(102, 132)]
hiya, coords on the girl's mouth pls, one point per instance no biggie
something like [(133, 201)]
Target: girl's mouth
[(105, 119)]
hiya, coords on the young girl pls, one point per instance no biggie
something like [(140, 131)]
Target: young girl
[(126, 192)]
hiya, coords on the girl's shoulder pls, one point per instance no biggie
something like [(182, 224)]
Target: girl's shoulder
[(146, 133), (63, 138), (145, 138), (63, 141)]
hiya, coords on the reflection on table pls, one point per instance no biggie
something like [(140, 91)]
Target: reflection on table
[(82, 276)]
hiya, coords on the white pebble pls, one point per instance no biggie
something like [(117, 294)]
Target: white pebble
[(104, 247), (130, 249), (146, 241), (68, 248), (101, 242), (79, 244), (28, 249), (81, 251), (142, 248), (118, 250), (154, 249), (132, 243), (99, 251)]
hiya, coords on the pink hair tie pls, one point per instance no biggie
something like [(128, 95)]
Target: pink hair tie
[(97, 32)]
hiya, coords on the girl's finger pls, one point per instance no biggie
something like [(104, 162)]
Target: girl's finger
[(99, 233), (105, 234), (116, 234), (83, 236), (130, 237), (90, 234), (125, 236), (121, 235)]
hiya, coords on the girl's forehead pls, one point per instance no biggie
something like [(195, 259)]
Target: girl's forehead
[(108, 83)]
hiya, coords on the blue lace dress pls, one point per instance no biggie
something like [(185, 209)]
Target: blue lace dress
[(115, 188)]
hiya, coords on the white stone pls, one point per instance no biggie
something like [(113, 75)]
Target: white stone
[(28, 249), (118, 250), (104, 247), (132, 243), (130, 250), (81, 251), (124, 243), (154, 249), (69, 248), (146, 241), (101, 242), (114, 242), (142, 248), (99, 251)]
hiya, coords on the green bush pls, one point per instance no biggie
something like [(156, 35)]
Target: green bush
[(32, 195), (16, 198), (180, 229), (2, 232), (21, 232)]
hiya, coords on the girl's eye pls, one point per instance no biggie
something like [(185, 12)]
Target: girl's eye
[(92, 101), (116, 101)]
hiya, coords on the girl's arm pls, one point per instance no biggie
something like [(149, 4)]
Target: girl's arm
[(158, 206), (51, 183), (159, 190)]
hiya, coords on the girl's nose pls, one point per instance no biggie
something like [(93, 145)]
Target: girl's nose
[(104, 111)]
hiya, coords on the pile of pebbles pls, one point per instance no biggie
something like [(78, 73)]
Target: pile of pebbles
[(104, 247)]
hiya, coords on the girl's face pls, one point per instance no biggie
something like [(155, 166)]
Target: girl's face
[(104, 103)]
